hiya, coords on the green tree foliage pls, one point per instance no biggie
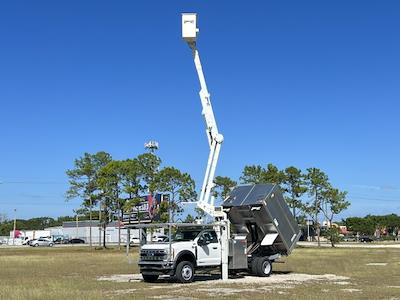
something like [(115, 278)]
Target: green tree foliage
[(294, 185), (83, 182), (334, 203), (138, 178), (256, 174), (109, 184), (180, 187), (189, 219), (222, 187), (252, 174), (82, 178), (149, 164), (317, 183), (32, 224), (116, 185), (360, 225), (368, 224), (163, 211)]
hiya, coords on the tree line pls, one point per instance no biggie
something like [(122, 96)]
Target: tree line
[(309, 194), (369, 224), (6, 225), (363, 225), (114, 187)]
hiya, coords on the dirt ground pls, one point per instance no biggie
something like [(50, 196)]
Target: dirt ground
[(309, 273)]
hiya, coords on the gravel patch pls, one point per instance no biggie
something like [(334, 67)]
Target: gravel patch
[(121, 277), (376, 264), (341, 282), (214, 287), (351, 290), (168, 297)]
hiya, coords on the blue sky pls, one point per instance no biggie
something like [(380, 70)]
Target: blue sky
[(309, 84)]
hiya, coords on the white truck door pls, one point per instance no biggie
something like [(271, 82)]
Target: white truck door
[(208, 249)]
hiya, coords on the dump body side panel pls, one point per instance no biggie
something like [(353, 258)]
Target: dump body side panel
[(260, 210)]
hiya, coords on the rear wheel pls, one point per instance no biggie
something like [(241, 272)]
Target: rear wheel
[(254, 265), (185, 272), (149, 278), (264, 267), (51, 245), (36, 245)]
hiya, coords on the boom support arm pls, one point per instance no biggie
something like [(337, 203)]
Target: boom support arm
[(215, 139)]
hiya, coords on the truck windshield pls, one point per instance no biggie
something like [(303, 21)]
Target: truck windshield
[(185, 235)]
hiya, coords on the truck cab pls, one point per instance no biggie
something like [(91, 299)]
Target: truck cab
[(190, 248)]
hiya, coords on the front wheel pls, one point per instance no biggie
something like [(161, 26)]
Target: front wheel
[(185, 272), (36, 245), (149, 278)]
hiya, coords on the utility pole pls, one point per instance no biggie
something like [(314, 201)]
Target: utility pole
[(15, 225), (90, 222), (100, 223), (77, 225)]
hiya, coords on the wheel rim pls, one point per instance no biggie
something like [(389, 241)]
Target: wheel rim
[(187, 272), (266, 267)]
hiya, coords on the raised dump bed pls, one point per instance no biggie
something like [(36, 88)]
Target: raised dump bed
[(261, 214)]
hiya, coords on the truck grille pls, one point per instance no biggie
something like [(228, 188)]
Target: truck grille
[(153, 255)]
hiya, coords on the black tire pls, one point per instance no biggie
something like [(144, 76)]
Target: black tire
[(254, 265), (184, 272), (51, 245), (149, 278), (264, 267), (36, 245)]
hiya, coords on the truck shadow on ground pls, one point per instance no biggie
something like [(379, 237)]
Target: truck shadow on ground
[(215, 277)]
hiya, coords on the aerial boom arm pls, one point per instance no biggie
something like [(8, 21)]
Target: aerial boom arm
[(215, 139), (207, 112)]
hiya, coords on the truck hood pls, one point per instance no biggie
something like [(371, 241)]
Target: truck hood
[(165, 246)]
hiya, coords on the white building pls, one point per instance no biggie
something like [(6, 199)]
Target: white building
[(81, 230)]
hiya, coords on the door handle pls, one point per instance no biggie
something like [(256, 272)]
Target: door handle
[(215, 247)]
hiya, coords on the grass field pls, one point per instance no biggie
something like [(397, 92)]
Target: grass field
[(73, 273)]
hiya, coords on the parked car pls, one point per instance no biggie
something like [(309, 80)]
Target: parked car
[(61, 240), (365, 239), (349, 238), (41, 242), (76, 241)]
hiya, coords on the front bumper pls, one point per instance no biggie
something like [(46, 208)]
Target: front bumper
[(156, 267)]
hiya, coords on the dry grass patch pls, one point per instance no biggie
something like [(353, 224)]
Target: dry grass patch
[(78, 273)]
